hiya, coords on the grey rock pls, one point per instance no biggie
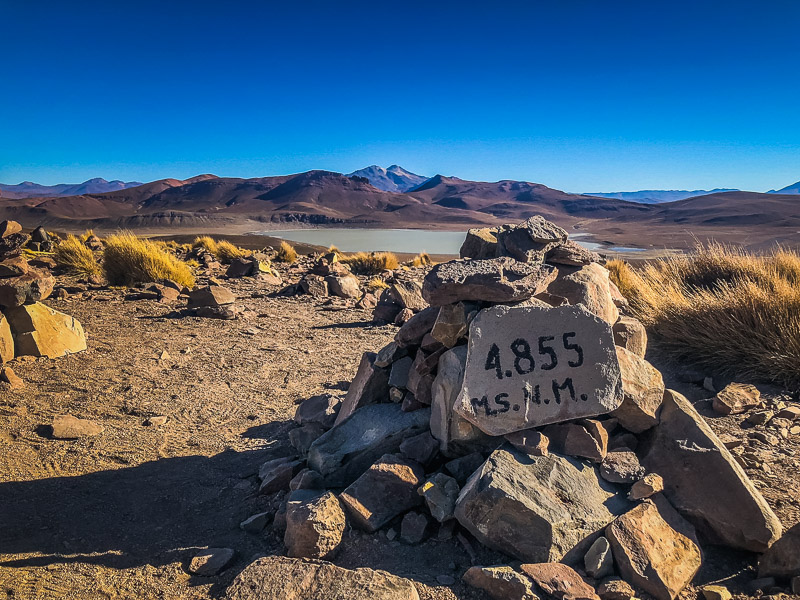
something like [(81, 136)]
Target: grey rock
[(301, 438), (783, 558), (440, 493), (398, 377), (414, 527), (451, 324), (413, 330), (408, 294), (537, 509), (531, 366), (621, 466), (213, 295), (463, 467), (320, 409), (699, 472), (598, 561), (481, 243), (369, 386), (421, 448), (643, 391), (390, 353), (211, 562), (501, 583), (589, 286), (571, 254), (342, 454), (314, 526), (631, 335), (276, 474), (256, 523), (496, 280)]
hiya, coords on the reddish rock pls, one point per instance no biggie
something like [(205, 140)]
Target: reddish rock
[(559, 581)]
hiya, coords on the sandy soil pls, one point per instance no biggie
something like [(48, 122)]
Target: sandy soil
[(118, 516)]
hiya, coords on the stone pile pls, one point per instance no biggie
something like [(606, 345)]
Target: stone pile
[(27, 327), (516, 403)]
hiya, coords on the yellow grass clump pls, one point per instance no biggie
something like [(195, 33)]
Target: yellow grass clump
[(86, 235), (722, 309), (75, 258), (376, 283), (371, 263), (128, 260), (206, 242), (222, 249), (286, 253), (422, 259)]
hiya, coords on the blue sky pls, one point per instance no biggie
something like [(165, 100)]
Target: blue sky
[(578, 95)]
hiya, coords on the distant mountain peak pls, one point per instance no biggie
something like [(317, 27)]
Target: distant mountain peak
[(657, 196), (789, 189), (392, 179), (96, 185)]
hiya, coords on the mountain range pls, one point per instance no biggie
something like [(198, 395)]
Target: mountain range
[(789, 189), (208, 203), (392, 179), (98, 185), (658, 196)]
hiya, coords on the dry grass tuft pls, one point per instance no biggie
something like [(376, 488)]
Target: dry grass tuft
[(222, 249), (129, 260), (422, 259), (86, 235), (286, 253), (722, 309), (376, 283), (207, 243), (371, 263), (75, 258)]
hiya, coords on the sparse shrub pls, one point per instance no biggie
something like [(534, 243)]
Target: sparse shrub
[(722, 309), (207, 243), (222, 249), (86, 235), (128, 260), (376, 283), (286, 253), (422, 259), (334, 249), (75, 258), (371, 263)]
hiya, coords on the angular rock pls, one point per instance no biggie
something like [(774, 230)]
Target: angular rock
[(14, 267), (621, 466), (343, 287), (256, 523), (496, 280), (614, 588), (67, 427), (649, 485), (11, 244), (389, 353), (440, 493), (305, 435), (571, 254), (543, 231), (716, 592), (531, 366), (227, 312), (314, 526), (212, 295), (41, 331), (655, 549), (421, 448), (211, 562), (591, 287), (518, 245), (8, 376), (699, 471), (276, 474), (736, 398), (574, 439), (314, 285), (643, 389), (598, 561), (275, 577), (482, 243), (414, 528), (537, 508), (31, 287), (631, 335), (413, 330), (321, 409), (408, 294), (529, 441), (559, 581), (451, 324), (783, 558), (369, 386), (398, 376), (501, 583), (8, 228), (6, 340), (385, 490), (453, 431), (342, 454), (463, 467), (307, 480)]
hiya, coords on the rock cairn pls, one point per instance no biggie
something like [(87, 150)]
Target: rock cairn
[(515, 403), (28, 327)]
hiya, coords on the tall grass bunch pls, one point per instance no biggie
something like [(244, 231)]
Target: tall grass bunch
[(223, 250), (722, 309), (75, 258), (128, 260), (371, 263), (286, 253)]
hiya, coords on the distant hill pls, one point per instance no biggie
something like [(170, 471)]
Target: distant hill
[(28, 189), (789, 189), (657, 196), (393, 179)]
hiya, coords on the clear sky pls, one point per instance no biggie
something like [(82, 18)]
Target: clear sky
[(600, 95)]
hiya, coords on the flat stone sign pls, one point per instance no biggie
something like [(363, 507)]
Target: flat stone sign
[(530, 366)]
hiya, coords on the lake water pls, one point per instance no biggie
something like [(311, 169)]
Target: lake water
[(410, 241)]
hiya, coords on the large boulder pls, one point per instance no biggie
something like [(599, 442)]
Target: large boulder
[(6, 340), (655, 549), (571, 254), (28, 288), (12, 244), (532, 239), (212, 295), (643, 391), (631, 335), (274, 577), (385, 490), (482, 243), (343, 287), (529, 366), (537, 509), (736, 398), (314, 524), (39, 330), (369, 386), (408, 294), (703, 480), (493, 280), (342, 454), (590, 286)]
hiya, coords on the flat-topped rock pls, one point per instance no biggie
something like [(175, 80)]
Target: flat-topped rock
[(531, 366), (491, 280), (28, 288), (39, 330)]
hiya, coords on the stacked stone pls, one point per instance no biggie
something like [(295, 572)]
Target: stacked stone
[(605, 472), (28, 327), (330, 277)]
